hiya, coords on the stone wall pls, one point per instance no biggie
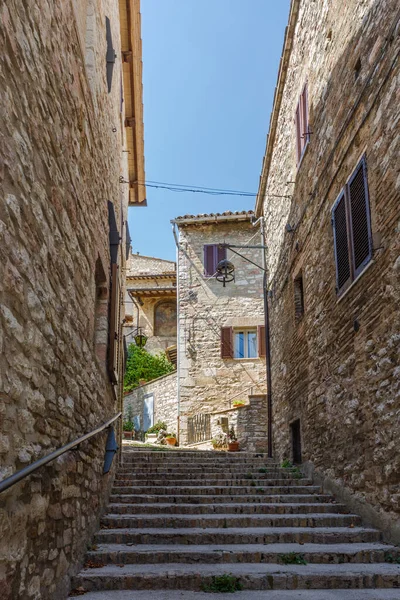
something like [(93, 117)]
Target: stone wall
[(61, 159), (138, 265), (337, 368), (164, 390), (207, 382)]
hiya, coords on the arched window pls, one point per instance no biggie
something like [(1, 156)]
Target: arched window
[(165, 319)]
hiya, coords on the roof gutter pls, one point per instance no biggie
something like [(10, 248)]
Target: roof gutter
[(273, 124)]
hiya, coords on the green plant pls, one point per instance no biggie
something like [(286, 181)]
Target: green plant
[(248, 476), (128, 425), (287, 464), (260, 490), (141, 365), (221, 584), (263, 470), (157, 427), (292, 559), (238, 403), (171, 435), (389, 558), (253, 483)]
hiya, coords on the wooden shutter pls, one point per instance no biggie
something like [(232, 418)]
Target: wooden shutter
[(360, 218), (304, 119), (110, 55), (298, 133), (226, 342), (114, 328), (209, 261), (114, 233), (298, 297), (261, 340), (340, 232), (128, 240)]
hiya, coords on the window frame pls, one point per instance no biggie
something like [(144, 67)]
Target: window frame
[(245, 331), (345, 194)]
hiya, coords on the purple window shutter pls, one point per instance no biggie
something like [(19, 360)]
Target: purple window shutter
[(298, 133), (360, 218), (304, 108), (209, 260), (340, 232)]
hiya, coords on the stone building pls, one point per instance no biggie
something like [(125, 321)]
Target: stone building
[(150, 301), (71, 114), (329, 191), (220, 329)]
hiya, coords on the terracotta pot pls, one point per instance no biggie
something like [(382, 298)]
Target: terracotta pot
[(233, 447), (171, 441), (128, 435)]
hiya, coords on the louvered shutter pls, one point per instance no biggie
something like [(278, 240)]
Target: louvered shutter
[(360, 218), (298, 133), (261, 340), (226, 342), (298, 297), (340, 232), (110, 55), (114, 328), (209, 261), (304, 119), (128, 241), (114, 233)]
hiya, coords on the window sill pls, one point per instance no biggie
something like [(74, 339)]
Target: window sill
[(246, 359), (353, 283)]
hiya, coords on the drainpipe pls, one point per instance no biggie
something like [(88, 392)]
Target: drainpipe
[(178, 370), (267, 336)]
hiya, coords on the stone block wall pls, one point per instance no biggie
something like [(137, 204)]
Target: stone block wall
[(61, 161), (337, 368), (164, 390), (207, 382)]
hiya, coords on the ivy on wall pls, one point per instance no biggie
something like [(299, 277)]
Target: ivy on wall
[(143, 366)]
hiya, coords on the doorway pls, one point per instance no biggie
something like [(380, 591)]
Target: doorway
[(296, 441), (148, 412)]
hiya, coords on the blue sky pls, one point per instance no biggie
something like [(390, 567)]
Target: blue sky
[(210, 69)]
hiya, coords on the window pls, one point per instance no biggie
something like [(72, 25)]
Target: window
[(298, 297), (213, 254), (245, 344), (302, 125), (242, 343), (352, 228)]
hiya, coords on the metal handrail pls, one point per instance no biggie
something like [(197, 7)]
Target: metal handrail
[(16, 477)]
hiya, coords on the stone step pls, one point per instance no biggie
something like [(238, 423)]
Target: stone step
[(212, 479), (241, 553), (251, 576), (167, 460), (196, 455), (116, 521), (193, 499), (339, 594), (214, 490), (231, 508), (184, 470), (231, 535)]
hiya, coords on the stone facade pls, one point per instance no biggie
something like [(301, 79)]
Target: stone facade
[(207, 382), (336, 368), (61, 161), (151, 301), (164, 391)]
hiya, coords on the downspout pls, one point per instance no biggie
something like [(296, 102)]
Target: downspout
[(178, 370), (267, 337)]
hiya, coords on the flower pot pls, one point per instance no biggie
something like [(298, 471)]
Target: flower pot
[(233, 447), (171, 441), (151, 437), (142, 381), (128, 435)]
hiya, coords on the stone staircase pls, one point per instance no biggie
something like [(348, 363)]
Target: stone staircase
[(184, 524)]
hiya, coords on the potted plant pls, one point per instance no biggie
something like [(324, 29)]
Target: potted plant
[(170, 438), (233, 444), (238, 403), (128, 429)]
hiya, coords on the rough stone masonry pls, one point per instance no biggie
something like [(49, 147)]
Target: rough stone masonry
[(62, 134), (335, 353)]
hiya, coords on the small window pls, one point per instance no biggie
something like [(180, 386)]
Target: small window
[(213, 254), (351, 223), (302, 125), (245, 344), (298, 298)]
